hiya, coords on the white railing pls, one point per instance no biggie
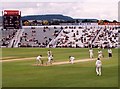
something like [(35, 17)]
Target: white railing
[(54, 40), (16, 39), (96, 36)]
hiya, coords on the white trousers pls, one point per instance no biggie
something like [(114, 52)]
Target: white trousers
[(72, 61), (100, 55), (91, 55), (98, 70), (49, 61), (38, 61)]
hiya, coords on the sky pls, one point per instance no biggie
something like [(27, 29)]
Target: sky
[(91, 9)]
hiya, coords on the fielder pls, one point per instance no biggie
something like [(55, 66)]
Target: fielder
[(49, 53), (71, 59), (109, 53), (100, 54), (51, 58), (39, 60), (91, 52), (98, 67)]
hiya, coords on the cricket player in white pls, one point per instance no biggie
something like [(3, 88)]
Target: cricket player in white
[(100, 54), (50, 58), (49, 53), (39, 60), (71, 59), (110, 52), (91, 52), (98, 67)]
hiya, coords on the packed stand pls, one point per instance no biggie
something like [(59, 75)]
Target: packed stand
[(108, 37), (69, 37), (88, 35)]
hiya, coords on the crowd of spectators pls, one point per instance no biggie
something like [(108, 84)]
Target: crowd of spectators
[(88, 35), (31, 39), (74, 37), (108, 37), (67, 36), (7, 36)]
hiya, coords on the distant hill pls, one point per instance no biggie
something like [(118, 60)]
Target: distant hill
[(47, 17), (50, 17)]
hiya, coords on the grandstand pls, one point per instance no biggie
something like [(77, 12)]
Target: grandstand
[(6, 37), (38, 37), (107, 37), (68, 37), (76, 36)]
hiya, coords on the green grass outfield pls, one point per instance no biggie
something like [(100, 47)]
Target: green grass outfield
[(23, 74)]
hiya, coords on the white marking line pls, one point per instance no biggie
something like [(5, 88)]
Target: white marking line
[(19, 59)]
